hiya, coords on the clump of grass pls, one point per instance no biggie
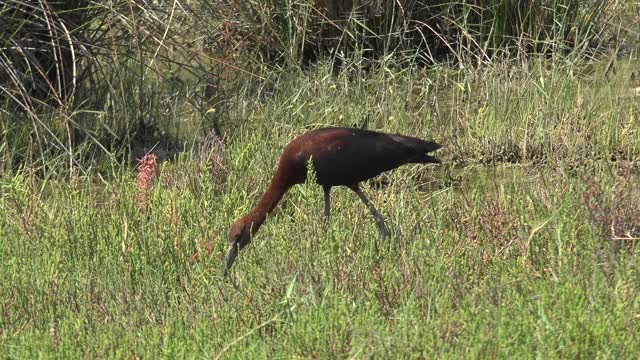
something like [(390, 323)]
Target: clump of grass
[(193, 57), (613, 211), (211, 152)]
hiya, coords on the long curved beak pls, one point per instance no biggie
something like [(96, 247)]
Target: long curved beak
[(231, 256)]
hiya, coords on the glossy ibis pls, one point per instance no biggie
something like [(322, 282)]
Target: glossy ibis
[(340, 156)]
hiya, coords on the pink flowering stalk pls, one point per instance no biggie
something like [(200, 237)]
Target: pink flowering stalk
[(146, 175)]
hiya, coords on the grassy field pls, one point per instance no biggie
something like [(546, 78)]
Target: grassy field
[(522, 244)]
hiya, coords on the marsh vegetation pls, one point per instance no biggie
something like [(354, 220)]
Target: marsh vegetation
[(522, 243)]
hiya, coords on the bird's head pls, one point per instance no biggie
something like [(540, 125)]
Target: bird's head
[(239, 237)]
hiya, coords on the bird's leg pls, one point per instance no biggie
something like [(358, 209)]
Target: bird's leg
[(376, 215), (327, 204)]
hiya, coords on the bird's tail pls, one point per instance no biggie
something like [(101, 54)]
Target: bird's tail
[(421, 148), (416, 143), (425, 159), (429, 146)]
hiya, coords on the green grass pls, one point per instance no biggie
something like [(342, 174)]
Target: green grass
[(515, 247), (508, 269), (484, 261), (521, 245)]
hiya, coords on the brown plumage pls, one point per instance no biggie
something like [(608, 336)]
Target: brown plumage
[(340, 156)]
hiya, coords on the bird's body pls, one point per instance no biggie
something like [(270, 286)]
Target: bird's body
[(340, 156), (344, 156)]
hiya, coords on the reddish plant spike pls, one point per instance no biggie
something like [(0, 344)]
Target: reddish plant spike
[(340, 156), (145, 177)]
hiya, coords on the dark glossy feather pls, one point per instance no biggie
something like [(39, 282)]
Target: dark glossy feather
[(343, 156)]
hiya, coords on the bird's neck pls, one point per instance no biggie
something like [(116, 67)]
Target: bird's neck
[(267, 203)]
